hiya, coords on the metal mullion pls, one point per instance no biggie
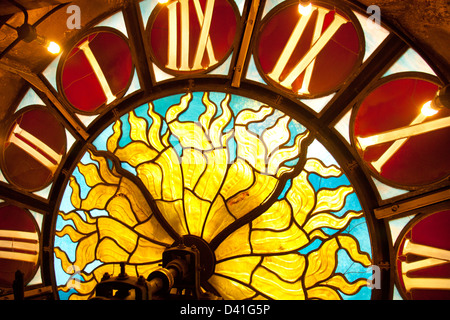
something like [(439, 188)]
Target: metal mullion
[(139, 48), (378, 63)]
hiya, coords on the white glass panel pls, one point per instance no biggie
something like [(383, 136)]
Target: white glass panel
[(115, 21), (397, 226), (387, 192), (343, 126), (29, 99), (50, 71), (374, 34), (410, 61)]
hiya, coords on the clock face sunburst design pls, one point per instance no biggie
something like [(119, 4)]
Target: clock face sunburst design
[(202, 165)]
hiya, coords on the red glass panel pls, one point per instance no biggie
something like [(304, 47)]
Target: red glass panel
[(33, 150), (332, 65), (19, 249), (81, 82), (432, 232), (222, 33), (423, 158)]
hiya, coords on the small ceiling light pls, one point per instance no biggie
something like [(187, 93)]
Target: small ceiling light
[(28, 34), (53, 47), (305, 8)]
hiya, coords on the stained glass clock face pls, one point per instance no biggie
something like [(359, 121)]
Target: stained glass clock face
[(273, 206)]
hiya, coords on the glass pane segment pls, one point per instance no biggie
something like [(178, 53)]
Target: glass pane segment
[(410, 61)]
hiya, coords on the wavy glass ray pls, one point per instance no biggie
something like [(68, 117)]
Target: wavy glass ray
[(204, 164)]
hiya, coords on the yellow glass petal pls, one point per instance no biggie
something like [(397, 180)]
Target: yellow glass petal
[(352, 247), (83, 289), (240, 268), (193, 164), (271, 285), (323, 293), (153, 230), (138, 127), (235, 244), (165, 139), (326, 220), (316, 166), (113, 140), (154, 133), (196, 210), (332, 200), (277, 135), (120, 208), (284, 154), (265, 241), (73, 234), (247, 200), (136, 153), (190, 135), (210, 182), (107, 175), (342, 284), (65, 261), (172, 187), (151, 176), (109, 251), (211, 108), (239, 177), (301, 197), (218, 219), (82, 226), (229, 289), (289, 267), (85, 252), (123, 236), (90, 173), (139, 204), (318, 234), (248, 116), (98, 197), (75, 198), (277, 217), (147, 251), (173, 112), (219, 124), (174, 214), (250, 148), (321, 263)]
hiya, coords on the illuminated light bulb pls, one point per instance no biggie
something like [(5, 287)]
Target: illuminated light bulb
[(53, 47), (163, 1), (305, 10), (428, 110)]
